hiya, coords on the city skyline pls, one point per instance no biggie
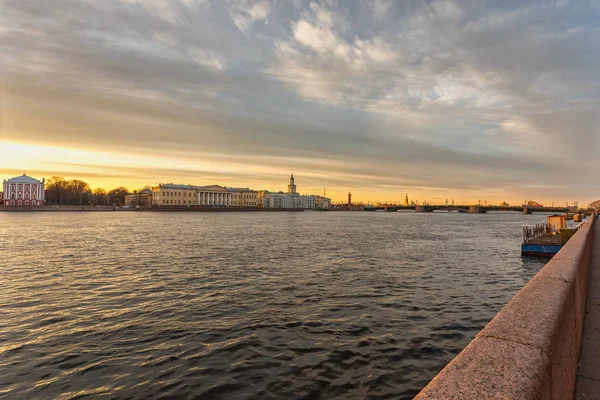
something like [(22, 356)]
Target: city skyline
[(469, 101)]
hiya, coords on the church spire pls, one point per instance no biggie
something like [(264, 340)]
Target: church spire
[(292, 185)]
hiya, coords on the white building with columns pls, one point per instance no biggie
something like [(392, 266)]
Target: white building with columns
[(23, 191)]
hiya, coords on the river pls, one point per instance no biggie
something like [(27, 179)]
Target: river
[(332, 305)]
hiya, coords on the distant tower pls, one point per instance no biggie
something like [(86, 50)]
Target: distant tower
[(292, 185), (349, 199), (406, 198)]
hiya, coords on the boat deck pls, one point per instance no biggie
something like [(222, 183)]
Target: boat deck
[(546, 240)]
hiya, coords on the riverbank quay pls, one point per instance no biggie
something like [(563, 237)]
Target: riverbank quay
[(588, 373), (530, 350), (218, 209), (57, 208), (150, 209)]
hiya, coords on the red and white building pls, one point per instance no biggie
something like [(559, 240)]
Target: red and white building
[(23, 191)]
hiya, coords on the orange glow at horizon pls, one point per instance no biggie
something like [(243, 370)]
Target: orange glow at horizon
[(108, 169)]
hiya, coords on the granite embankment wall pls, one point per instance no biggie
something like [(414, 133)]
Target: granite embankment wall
[(57, 208), (531, 348)]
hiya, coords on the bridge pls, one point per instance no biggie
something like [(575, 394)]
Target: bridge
[(474, 209)]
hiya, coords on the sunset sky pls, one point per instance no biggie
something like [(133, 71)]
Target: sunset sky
[(465, 100)]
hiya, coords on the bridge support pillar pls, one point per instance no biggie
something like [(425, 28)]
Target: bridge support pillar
[(420, 208), (474, 209)]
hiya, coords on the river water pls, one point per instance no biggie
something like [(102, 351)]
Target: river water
[(332, 305)]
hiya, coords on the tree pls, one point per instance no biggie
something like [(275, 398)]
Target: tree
[(55, 190), (117, 196), (60, 191), (79, 192), (99, 197)]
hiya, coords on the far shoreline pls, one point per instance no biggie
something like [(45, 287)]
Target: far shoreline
[(149, 209)]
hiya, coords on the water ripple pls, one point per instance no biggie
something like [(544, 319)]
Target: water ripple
[(252, 306)]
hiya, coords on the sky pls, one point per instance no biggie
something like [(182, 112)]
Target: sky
[(463, 100)]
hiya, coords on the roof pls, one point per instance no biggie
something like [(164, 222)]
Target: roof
[(177, 186), (241, 190), (23, 179), (213, 188)]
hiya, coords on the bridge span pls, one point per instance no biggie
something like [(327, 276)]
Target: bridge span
[(474, 209)]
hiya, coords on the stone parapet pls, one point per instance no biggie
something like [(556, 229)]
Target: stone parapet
[(531, 348)]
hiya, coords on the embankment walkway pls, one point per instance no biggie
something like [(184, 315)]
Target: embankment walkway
[(531, 349), (588, 373)]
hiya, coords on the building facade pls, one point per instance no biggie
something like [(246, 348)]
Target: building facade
[(243, 197), (143, 198), (23, 191), (214, 196), (292, 199), (170, 194)]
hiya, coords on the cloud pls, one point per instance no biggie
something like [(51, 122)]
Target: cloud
[(379, 8), (246, 12), (444, 95), (171, 11)]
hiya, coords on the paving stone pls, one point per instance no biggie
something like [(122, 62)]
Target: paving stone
[(586, 389), (588, 374)]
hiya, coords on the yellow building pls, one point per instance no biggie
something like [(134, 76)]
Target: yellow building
[(214, 196), (170, 194), (243, 197)]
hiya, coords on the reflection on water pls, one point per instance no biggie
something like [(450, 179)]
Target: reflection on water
[(247, 306)]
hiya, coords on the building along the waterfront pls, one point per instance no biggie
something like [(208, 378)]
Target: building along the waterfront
[(292, 199), (23, 191), (243, 197), (143, 198), (214, 195), (170, 194)]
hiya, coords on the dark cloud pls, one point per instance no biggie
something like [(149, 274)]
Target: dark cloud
[(472, 96)]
